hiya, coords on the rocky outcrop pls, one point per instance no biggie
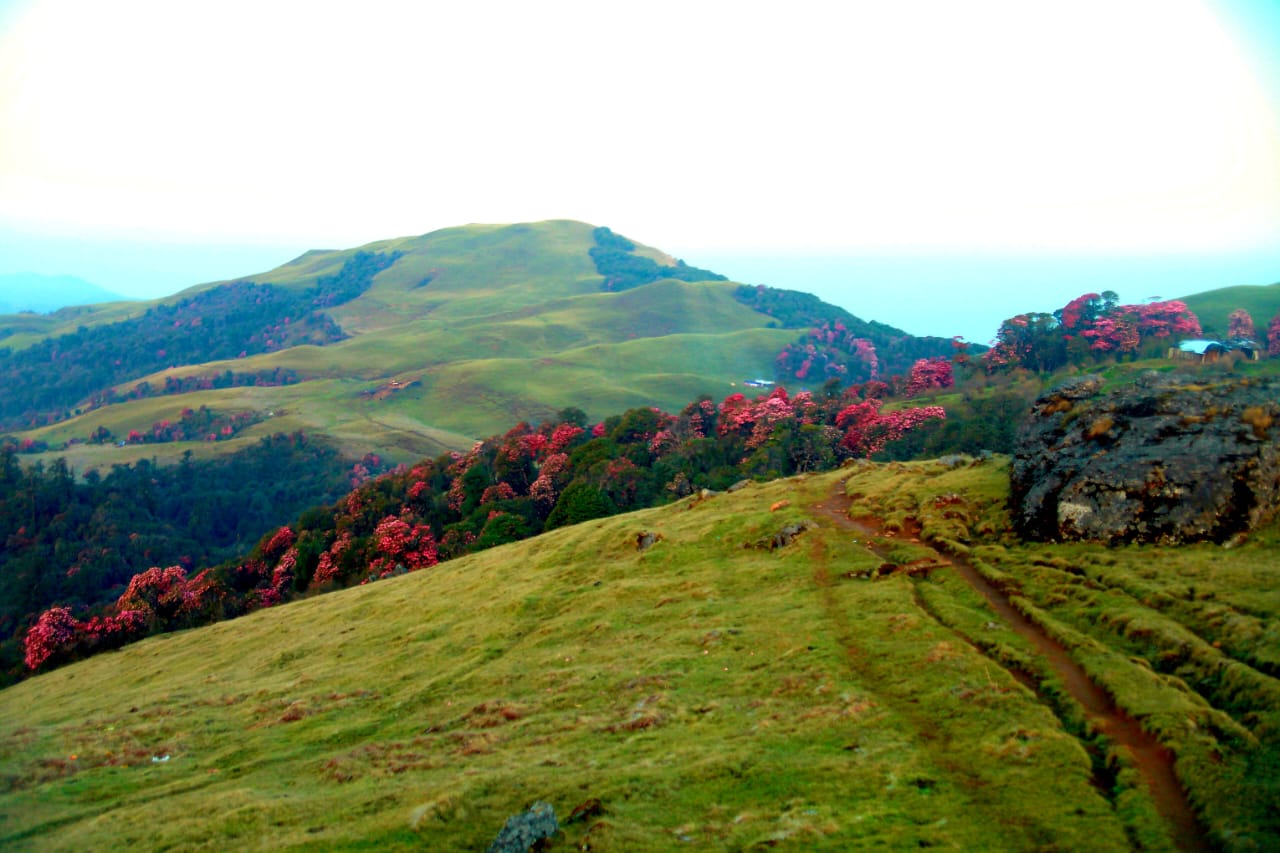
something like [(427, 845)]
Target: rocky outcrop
[(1166, 459), (524, 831)]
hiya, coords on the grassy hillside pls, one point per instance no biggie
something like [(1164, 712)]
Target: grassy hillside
[(467, 330), (1214, 306), (711, 692)]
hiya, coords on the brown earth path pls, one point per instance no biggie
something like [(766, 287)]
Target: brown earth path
[(1148, 756)]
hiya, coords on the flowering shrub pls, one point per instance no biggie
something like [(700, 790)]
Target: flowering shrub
[(498, 492), (546, 488), (159, 592), (399, 543), (462, 464), (1240, 326), (503, 489), (929, 373), (756, 420), (1044, 342), (53, 635), (282, 575), (1273, 336), (192, 424), (282, 540), (828, 350), (563, 436), (867, 430), (329, 566)]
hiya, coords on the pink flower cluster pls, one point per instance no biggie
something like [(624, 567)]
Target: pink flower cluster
[(399, 543), (54, 631), (280, 542), (1240, 326), (867, 430), (929, 373), (328, 566), (546, 488)]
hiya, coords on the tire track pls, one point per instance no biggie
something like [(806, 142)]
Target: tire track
[(1152, 760)]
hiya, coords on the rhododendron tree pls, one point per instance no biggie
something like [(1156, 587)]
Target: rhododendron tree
[(329, 566), (282, 574), (1240, 326), (1083, 311), (157, 591), (546, 488), (828, 350), (399, 543), (867, 430), (280, 542), (498, 492), (54, 633), (1273, 336), (563, 437), (1171, 318), (928, 373), (1043, 342), (1119, 335)]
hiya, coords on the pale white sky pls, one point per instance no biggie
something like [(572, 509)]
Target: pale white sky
[(990, 126)]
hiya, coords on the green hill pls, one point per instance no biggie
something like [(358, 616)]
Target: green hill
[(1214, 306), (408, 346), (722, 689)]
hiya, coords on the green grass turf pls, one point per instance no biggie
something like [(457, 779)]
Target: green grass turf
[(711, 693)]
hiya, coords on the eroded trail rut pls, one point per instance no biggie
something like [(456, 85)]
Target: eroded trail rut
[(1148, 756)]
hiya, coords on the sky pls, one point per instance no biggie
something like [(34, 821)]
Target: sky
[(935, 165)]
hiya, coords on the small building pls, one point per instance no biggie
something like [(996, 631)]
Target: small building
[(1206, 352), (1251, 350), (757, 383)]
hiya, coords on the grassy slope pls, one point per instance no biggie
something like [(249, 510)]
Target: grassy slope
[(708, 694), (510, 324), (1214, 306)]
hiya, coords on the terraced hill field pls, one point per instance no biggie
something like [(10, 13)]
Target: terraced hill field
[(854, 660)]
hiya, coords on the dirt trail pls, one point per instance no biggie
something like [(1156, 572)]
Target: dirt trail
[(1151, 759)]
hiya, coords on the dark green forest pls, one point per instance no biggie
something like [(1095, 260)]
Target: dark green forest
[(48, 381), (78, 541)]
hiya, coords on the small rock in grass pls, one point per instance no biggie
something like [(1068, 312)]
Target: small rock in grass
[(522, 831)]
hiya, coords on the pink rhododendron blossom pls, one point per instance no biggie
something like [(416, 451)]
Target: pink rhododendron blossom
[(54, 632)]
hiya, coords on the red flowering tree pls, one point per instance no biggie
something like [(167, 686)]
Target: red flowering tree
[(1083, 311), (1171, 318), (1273, 336), (1043, 342), (1240, 326), (1115, 335), (280, 542), (51, 638), (867, 430), (563, 437), (399, 544), (928, 373), (550, 481), (158, 592), (329, 567), (828, 350)]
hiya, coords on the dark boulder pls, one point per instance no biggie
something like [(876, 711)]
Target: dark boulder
[(522, 831), (1166, 459)]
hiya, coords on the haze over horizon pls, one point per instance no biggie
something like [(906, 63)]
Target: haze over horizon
[(932, 166)]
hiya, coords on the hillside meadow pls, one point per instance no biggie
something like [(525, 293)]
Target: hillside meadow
[(766, 674), (417, 345)]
